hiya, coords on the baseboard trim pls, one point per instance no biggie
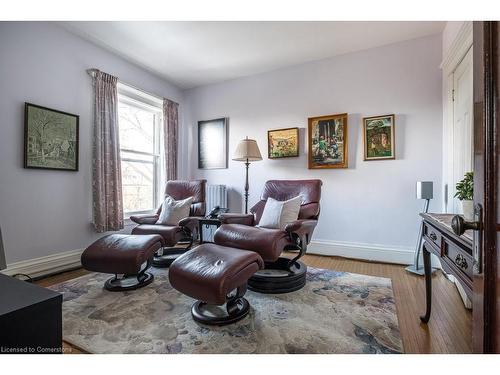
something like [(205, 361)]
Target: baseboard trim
[(370, 252), (465, 299), (60, 262), (46, 265)]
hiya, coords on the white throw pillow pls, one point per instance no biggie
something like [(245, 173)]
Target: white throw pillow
[(173, 211), (277, 214)]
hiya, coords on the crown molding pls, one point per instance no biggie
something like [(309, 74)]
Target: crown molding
[(458, 48)]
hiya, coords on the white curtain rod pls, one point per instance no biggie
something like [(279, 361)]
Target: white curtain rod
[(91, 72)]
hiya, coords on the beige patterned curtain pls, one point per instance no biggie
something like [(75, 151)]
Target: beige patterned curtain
[(106, 169), (171, 124)]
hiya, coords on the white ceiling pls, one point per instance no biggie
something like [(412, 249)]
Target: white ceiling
[(191, 54)]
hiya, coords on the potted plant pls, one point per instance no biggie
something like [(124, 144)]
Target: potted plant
[(465, 193)]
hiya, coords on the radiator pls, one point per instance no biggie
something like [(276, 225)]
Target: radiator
[(216, 196)]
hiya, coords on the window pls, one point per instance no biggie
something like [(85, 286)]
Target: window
[(139, 120)]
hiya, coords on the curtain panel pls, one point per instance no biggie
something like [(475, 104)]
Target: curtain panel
[(171, 124), (106, 168)]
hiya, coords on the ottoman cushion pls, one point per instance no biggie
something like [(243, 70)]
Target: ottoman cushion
[(120, 253), (209, 272)]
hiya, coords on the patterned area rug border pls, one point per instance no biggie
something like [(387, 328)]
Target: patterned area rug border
[(336, 312)]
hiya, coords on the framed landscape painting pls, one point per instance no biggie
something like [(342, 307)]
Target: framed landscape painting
[(378, 135), (283, 143), (328, 141), (212, 144), (50, 138)]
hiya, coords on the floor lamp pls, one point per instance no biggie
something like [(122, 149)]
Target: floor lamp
[(424, 191), (247, 151)]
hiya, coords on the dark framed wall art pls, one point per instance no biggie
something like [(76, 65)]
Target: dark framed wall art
[(212, 144), (328, 141), (283, 143), (50, 138), (378, 136)]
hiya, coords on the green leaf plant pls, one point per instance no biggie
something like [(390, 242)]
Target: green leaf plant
[(465, 187)]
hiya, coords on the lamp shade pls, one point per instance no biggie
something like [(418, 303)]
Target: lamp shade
[(247, 150), (424, 190)]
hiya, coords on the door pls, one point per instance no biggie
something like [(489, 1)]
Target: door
[(486, 282), (462, 125)]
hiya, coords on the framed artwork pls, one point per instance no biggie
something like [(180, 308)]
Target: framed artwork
[(50, 138), (328, 141), (378, 136), (283, 143), (212, 144)]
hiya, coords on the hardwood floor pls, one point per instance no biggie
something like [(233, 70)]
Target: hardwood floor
[(448, 331)]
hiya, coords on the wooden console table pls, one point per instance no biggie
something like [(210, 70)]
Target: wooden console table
[(454, 252)]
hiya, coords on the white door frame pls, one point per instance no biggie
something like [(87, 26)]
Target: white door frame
[(457, 51)]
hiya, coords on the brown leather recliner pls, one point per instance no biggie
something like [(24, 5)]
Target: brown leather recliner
[(281, 274), (185, 230)]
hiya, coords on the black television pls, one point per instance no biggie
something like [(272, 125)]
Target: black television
[(3, 264)]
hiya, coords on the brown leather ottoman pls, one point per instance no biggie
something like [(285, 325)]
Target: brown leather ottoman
[(122, 254), (215, 275)]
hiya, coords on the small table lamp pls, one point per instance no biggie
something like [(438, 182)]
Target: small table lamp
[(424, 191), (247, 151)]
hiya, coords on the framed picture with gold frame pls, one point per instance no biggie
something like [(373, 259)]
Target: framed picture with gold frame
[(283, 143), (327, 141), (378, 138)]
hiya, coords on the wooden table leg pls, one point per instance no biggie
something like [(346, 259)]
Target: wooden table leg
[(428, 284)]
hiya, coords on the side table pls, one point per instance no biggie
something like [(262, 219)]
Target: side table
[(207, 228)]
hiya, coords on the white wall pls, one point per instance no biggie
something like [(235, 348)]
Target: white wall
[(370, 203), (47, 212)]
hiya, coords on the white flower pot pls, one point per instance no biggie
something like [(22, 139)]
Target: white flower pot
[(468, 210)]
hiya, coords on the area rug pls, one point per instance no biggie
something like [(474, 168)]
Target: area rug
[(336, 312)]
